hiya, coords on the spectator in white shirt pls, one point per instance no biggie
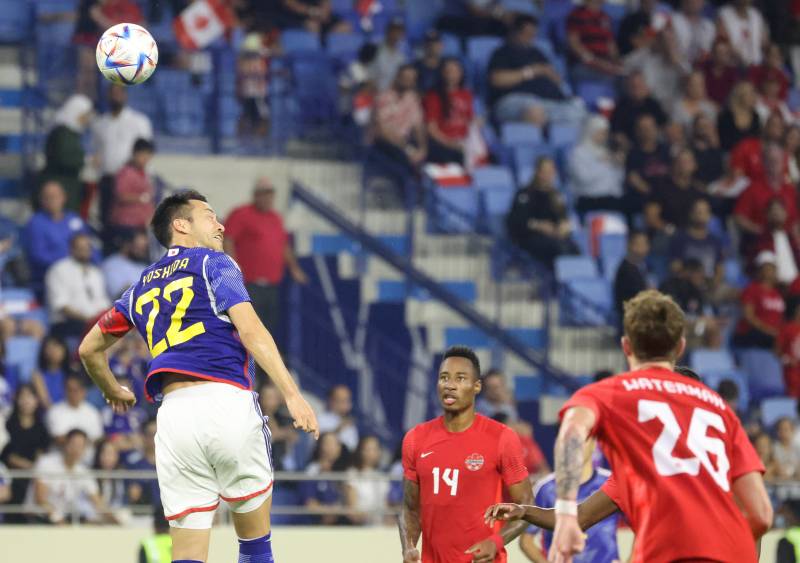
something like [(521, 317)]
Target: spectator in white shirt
[(745, 29), (366, 495), (114, 133), (786, 452), (76, 290), (694, 33), (338, 417), (74, 412), (122, 269), (76, 493)]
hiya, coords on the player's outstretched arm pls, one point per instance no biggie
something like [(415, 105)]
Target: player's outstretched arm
[(409, 522), (259, 342), (92, 352), (594, 509), (753, 500)]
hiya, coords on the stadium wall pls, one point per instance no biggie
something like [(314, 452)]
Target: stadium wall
[(89, 544)]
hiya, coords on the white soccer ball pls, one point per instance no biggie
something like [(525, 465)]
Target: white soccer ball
[(127, 54)]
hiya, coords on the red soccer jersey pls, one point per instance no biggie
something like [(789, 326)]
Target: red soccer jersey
[(675, 448), (789, 348), (460, 474), (768, 305)]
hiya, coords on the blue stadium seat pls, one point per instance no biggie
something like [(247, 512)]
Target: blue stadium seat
[(497, 202), (341, 6), (284, 496), (520, 7), (776, 408), (479, 51), (466, 336), (588, 302), (704, 360), (344, 46), (713, 378), (489, 178), (526, 156), (314, 90), (520, 134), (616, 12), (15, 20), (531, 337), (299, 41), (734, 275), (591, 91), (764, 373), (613, 248), (23, 353), (420, 16), (460, 209), (527, 388), (451, 45), (562, 135), (332, 244), (570, 268)]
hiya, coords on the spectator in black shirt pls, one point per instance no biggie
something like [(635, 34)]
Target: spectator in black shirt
[(672, 195), (648, 161), (632, 273), (636, 102), (689, 288), (430, 63), (524, 86), (739, 119), (697, 242), (705, 145), (538, 222), (632, 33), (28, 438)]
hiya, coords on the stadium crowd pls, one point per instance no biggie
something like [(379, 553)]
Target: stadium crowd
[(695, 143)]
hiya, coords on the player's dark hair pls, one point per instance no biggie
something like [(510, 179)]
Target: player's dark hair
[(75, 377), (728, 390), (468, 354), (143, 145), (42, 360), (76, 432), (171, 207), (654, 325)]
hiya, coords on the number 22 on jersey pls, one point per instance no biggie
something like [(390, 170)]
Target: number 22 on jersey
[(697, 440), (175, 333)]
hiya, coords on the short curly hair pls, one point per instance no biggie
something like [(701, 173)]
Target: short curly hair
[(654, 325)]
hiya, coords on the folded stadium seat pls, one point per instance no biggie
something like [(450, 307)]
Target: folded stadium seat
[(299, 41), (734, 275), (451, 45), (764, 373), (569, 268), (562, 135), (704, 360), (479, 51), (520, 7), (713, 378), (332, 244), (228, 115), (343, 47), (512, 134), (339, 7), (613, 247), (531, 337), (285, 495), (23, 353), (492, 178), (466, 336), (16, 20), (591, 91), (420, 16), (525, 157), (588, 302), (776, 408), (459, 211), (527, 387), (315, 91), (554, 14), (616, 12)]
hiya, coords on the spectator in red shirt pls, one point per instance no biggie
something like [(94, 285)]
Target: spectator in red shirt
[(720, 71), (448, 114), (133, 197), (256, 239), (762, 307), (787, 348), (747, 157), (772, 67), (751, 208), (592, 47), (783, 242)]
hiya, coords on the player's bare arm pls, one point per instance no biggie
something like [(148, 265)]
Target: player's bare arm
[(410, 522), (92, 352), (753, 500), (259, 342), (594, 509), (568, 538), (485, 551)]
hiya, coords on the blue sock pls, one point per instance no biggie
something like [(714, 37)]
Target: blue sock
[(258, 550)]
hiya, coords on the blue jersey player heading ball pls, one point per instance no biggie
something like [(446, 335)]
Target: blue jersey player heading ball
[(212, 442)]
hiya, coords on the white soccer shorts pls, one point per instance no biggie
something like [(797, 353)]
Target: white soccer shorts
[(212, 443)]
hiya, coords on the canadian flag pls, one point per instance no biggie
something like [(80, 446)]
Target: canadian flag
[(202, 22)]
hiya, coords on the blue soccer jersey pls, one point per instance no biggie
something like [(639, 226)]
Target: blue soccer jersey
[(601, 543), (179, 307)]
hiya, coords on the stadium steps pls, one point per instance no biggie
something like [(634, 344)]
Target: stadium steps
[(585, 350)]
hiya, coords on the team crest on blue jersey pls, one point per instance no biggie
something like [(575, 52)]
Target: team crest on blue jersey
[(474, 462), (172, 252)]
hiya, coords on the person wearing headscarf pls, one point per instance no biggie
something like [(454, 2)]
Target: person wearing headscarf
[(596, 173), (64, 155)]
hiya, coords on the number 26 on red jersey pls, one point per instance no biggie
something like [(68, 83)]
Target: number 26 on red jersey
[(698, 441)]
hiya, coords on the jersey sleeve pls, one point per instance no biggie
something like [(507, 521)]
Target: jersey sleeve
[(512, 461), (612, 490), (589, 397), (745, 459), (226, 281), (410, 456), (118, 320)]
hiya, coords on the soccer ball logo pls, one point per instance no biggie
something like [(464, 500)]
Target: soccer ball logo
[(127, 54)]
